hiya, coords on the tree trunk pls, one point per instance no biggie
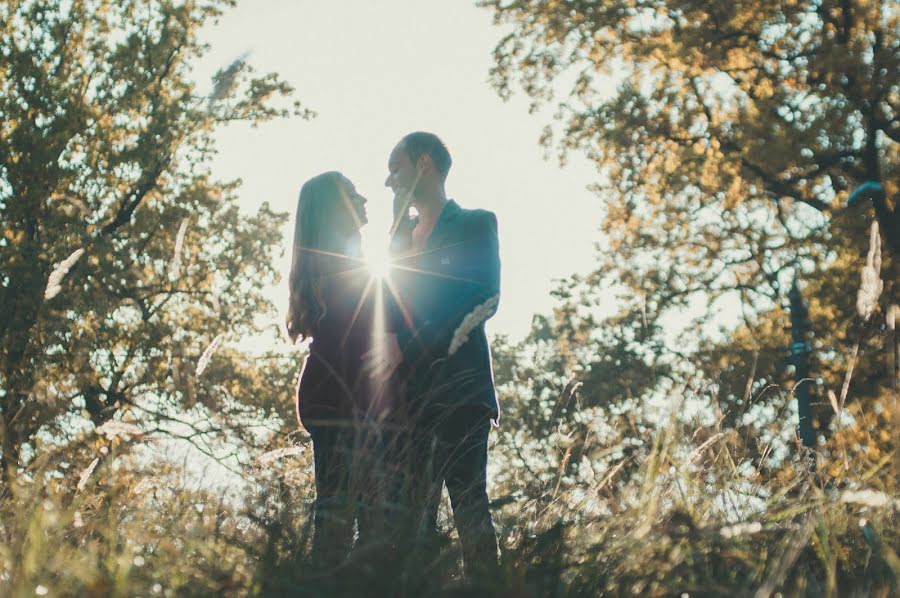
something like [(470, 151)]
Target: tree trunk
[(800, 357)]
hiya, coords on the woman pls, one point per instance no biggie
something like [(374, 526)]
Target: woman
[(331, 303)]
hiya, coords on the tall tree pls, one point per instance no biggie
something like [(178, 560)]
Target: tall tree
[(735, 131), (729, 137), (105, 144)]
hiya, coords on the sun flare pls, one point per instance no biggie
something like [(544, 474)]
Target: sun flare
[(378, 261)]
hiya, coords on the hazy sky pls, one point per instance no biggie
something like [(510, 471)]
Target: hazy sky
[(374, 71)]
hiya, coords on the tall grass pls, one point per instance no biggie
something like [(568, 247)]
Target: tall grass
[(690, 517)]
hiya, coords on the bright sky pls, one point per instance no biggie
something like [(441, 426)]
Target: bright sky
[(374, 71)]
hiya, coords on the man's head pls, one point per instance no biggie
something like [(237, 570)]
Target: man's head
[(419, 163)]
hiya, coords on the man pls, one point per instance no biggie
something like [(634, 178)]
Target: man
[(447, 274)]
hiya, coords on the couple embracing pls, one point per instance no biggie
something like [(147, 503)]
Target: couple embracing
[(397, 390)]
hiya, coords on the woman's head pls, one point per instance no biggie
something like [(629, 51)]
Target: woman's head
[(330, 213)]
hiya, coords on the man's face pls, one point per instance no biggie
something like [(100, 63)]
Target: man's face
[(401, 171)]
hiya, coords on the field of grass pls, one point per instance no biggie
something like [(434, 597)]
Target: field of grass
[(689, 518)]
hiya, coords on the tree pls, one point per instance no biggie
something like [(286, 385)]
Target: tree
[(105, 143), (729, 137)]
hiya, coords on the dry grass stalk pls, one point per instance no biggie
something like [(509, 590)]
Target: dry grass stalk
[(86, 475), (846, 386), (207, 355), (175, 264), (792, 549), (832, 398), (872, 285), (699, 450), (471, 321)]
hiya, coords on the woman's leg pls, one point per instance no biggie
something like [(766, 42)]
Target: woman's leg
[(334, 507), (367, 483)]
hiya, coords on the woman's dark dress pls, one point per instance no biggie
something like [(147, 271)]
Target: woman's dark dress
[(335, 406)]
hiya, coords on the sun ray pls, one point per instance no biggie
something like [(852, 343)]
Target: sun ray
[(432, 273), (395, 293), (358, 309), (378, 335)]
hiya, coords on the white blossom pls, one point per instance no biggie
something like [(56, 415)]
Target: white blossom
[(54, 282), (114, 429)]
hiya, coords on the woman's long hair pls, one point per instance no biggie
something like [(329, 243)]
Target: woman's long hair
[(315, 235)]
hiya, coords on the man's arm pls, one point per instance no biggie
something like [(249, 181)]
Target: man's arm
[(472, 280)]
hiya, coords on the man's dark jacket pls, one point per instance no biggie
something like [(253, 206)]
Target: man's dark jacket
[(458, 271)]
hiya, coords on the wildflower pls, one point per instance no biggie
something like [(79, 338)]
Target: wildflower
[(872, 285), (77, 520), (54, 283), (114, 429), (471, 321), (175, 264), (41, 590), (207, 355), (740, 529), (82, 482)]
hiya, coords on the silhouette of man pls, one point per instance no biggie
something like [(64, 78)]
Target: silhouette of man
[(447, 274)]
